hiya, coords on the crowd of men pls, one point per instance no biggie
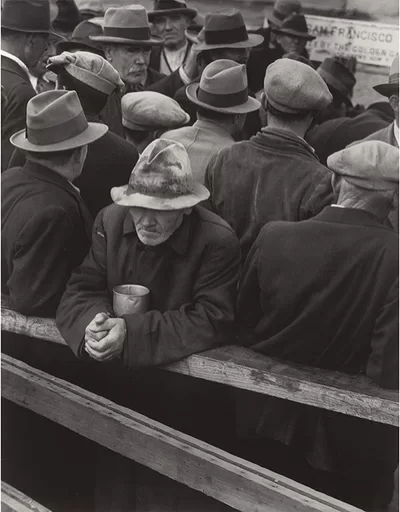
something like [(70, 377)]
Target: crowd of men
[(235, 179)]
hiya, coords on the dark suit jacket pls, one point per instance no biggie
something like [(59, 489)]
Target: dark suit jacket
[(45, 234), (18, 91), (155, 57), (324, 292)]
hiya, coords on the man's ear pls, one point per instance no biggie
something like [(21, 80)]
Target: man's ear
[(263, 99), (108, 53), (394, 102)]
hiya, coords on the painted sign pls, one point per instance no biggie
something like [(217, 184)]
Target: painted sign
[(369, 42)]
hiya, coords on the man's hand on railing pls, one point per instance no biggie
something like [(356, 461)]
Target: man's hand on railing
[(105, 337)]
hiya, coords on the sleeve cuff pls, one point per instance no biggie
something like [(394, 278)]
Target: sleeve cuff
[(183, 76)]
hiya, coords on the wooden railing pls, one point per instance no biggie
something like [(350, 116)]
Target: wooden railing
[(13, 500)]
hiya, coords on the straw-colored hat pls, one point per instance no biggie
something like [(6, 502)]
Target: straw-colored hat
[(223, 88), (55, 121), (392, 87), (161, 180), (373, 165), (127, 25)]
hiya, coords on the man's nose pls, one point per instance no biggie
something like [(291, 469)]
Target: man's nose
[(139, 58), (148, 219), (168, 25)]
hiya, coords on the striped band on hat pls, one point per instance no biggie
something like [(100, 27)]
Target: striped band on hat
[(59, 132), (138, 33)]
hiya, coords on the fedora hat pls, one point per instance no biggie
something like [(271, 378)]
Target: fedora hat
[(167, 7), (282, 9), (127, 25), (162, 179), (223, 88), (338, 77), (226, 29), (295, 25), (80, 39), (27, 16), (392, 86), (373, 165), (55, 122), (88, 68)]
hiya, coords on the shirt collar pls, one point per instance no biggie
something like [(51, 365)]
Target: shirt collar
[(178, 241), (396, 132)]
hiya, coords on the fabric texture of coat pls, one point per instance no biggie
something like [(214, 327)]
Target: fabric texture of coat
[(324, 293), (155, 57), (273, 176), (202, 141), (45, 234), (18, 91)]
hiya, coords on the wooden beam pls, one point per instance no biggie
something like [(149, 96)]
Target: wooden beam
[(226, 478), (13, 500), (245, 369)]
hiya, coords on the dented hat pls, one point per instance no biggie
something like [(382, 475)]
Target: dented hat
[(293, 87), (147, 111), (373, 165)]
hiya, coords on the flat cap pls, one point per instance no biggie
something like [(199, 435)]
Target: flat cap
[(148, 111), (89, 68), (293, 87), (373, 165)]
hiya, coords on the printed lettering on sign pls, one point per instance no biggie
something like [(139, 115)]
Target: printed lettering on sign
[(370, 42)]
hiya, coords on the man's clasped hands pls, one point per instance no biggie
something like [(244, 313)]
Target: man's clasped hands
[(105, 337)]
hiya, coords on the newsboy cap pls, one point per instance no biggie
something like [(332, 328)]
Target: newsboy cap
[(148, 111), (373, 165), (293, 87)]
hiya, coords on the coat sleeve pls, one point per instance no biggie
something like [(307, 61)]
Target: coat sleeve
[(41, 265), (86, 293), (383, 362), (156, 338)]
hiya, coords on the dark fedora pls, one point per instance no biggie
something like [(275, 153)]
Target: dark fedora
[(282, 9), (337, 77), (295, 25), (392, 86), (226, 29), (27, 16), (127, 25), (166, 7), (223, 88), (80, 39)]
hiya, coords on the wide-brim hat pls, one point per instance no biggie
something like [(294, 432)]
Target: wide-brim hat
[(55, 122), (167, 7), (27, 16), (225, 29), (392, 86), (295, 25), (127, 25), (282, 9), (338, 78), (162, 179), (223, 88)]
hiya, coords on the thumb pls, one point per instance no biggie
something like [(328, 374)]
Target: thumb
[(100, 318)]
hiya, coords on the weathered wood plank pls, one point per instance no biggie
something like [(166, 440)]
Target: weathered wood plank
[(244, 369), (13, 500), (229, 479)]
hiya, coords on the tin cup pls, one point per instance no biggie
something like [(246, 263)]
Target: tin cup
[(130, 298)]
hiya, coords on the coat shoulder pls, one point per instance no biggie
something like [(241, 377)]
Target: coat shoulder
[(214, 225)]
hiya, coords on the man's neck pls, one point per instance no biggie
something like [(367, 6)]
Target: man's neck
[(176, 47), (226, 126), (298, 129)]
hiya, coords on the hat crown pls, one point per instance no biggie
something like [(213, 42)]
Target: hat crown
[(94, 65), (49, 108), (295, 22), (338, 70), (85, 29), (224, 76), (163, 171), (167, 5), (26, 15), (394, 71), (227, 19), (130, 16), (284, 8)]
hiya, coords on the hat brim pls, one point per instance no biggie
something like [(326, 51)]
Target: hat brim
[(294, 33), (153, 41), (125, 196), (49, 32), (65, 46), (253, 40), (93, 132), (192, 13), (250, 106), (387, 89)]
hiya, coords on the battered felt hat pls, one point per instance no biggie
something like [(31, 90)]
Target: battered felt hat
[(337, 76), (392, 87), (80, 39), (55, 122), (223, 88), (147, 111), (226, 29), (293, 87), (127, 25), (27, 16), (162, 179), (373, 165), (282, 9), (295, 25), (167, 7), (89, 68)]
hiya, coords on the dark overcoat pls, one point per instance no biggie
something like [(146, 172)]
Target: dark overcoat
[(273, 176), (324, 293), (18, 91)]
